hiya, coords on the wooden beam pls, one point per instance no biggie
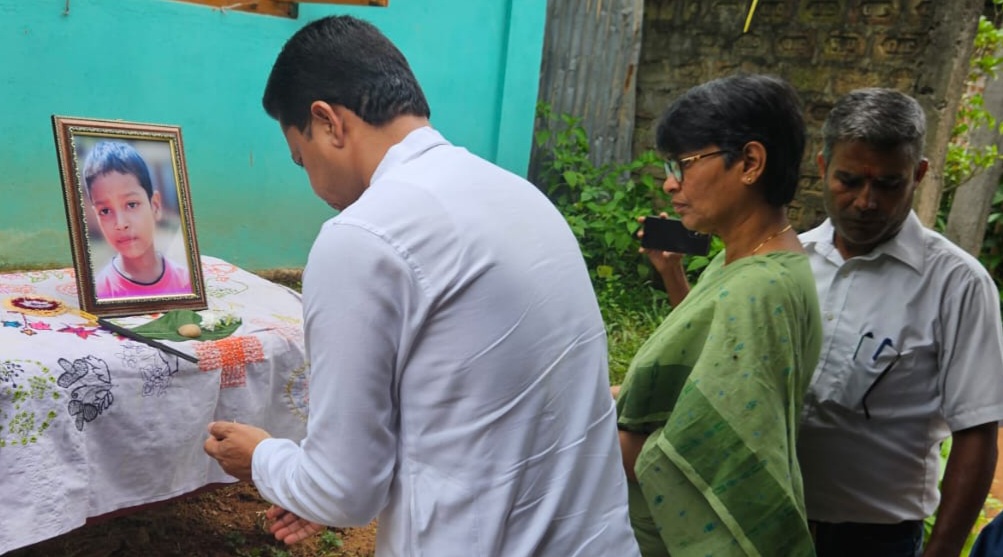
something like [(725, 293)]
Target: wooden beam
[(281, 8), (380, 3)]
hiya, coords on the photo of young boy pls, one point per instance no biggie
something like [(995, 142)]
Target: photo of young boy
[(130, 213)]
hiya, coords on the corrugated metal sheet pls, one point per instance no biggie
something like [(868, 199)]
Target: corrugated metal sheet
[(590, 56)]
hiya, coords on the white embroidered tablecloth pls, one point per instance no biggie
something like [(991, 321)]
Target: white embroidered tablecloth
[(91, 423)]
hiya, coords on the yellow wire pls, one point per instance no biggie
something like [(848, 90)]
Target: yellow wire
[(748, 19)]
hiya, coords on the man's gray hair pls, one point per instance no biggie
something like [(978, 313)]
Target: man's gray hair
[(882, 118)]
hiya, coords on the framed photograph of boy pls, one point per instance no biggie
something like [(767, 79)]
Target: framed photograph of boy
[(128, 207)]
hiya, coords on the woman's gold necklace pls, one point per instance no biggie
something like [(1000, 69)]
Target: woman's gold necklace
[(772, 236)]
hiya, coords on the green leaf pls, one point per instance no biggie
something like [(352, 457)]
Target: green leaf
[(542, 137), (572, 178)]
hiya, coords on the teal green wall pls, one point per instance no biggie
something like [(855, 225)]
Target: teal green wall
[(204, 70)]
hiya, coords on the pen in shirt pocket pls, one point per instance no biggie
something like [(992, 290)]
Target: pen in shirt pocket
[(887, 343), (867, 335)]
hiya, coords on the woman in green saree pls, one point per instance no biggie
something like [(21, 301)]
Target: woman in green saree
[(708, 411)]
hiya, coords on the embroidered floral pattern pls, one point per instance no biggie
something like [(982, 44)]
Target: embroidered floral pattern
[(298, 391), (155, 367), (289, 328), (69, 289), (39, 276), (23, 383), (16, 289), (224, 289), (90, 397), (219, 271), (35, 304), (81, 332)]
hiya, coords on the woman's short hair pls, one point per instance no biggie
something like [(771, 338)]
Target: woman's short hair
[(732, 111)]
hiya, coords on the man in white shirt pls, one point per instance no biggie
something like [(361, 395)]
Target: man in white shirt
[(458, 386), (912, 350)]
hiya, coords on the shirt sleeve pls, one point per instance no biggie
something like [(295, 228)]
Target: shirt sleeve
[(972, 353), (358, 293)]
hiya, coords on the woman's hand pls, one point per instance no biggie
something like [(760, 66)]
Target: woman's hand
[(631, 444), (669, 266), (664, 261)]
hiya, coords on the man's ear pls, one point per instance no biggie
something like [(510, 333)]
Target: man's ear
[(327, 121), (821, 165), (921, 169), (753, 161)]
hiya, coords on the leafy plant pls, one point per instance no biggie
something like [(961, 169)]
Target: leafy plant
[(330, 543), (992, 246), (627, 330), (965, 160), (601, 204)]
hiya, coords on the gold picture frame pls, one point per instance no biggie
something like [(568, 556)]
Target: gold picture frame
[(129, 213)]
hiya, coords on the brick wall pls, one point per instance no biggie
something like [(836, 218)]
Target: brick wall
[(825, 48)]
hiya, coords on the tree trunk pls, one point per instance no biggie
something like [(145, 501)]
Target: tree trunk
[(954, 27), (966, 221)]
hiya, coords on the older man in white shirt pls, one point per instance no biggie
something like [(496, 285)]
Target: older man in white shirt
[(912, 350)]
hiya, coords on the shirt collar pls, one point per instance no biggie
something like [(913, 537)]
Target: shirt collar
[(906, 246), (413, 145)]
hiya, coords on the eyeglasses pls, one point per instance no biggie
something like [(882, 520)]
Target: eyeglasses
[(863, 400), (674, 167)]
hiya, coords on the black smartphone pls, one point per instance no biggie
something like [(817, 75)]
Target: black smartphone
[(671, 235)]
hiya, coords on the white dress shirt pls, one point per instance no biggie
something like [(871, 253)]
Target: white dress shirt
[(458, 384), (915, 326)]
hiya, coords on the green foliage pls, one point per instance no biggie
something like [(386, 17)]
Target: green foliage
[(602, 204), (992, 246), (330, 543), (964, 160), (235, 539), (627, 330)]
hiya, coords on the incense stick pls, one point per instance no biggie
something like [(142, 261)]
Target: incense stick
[(128, 333)]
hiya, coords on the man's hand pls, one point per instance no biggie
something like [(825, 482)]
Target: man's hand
[(232, 445), (967, 478), (290, 528)]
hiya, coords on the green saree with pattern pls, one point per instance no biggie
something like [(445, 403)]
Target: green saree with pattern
[(718, 387)]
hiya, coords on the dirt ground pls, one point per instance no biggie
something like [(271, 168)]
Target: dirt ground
[(226, 522), (230, 522)]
